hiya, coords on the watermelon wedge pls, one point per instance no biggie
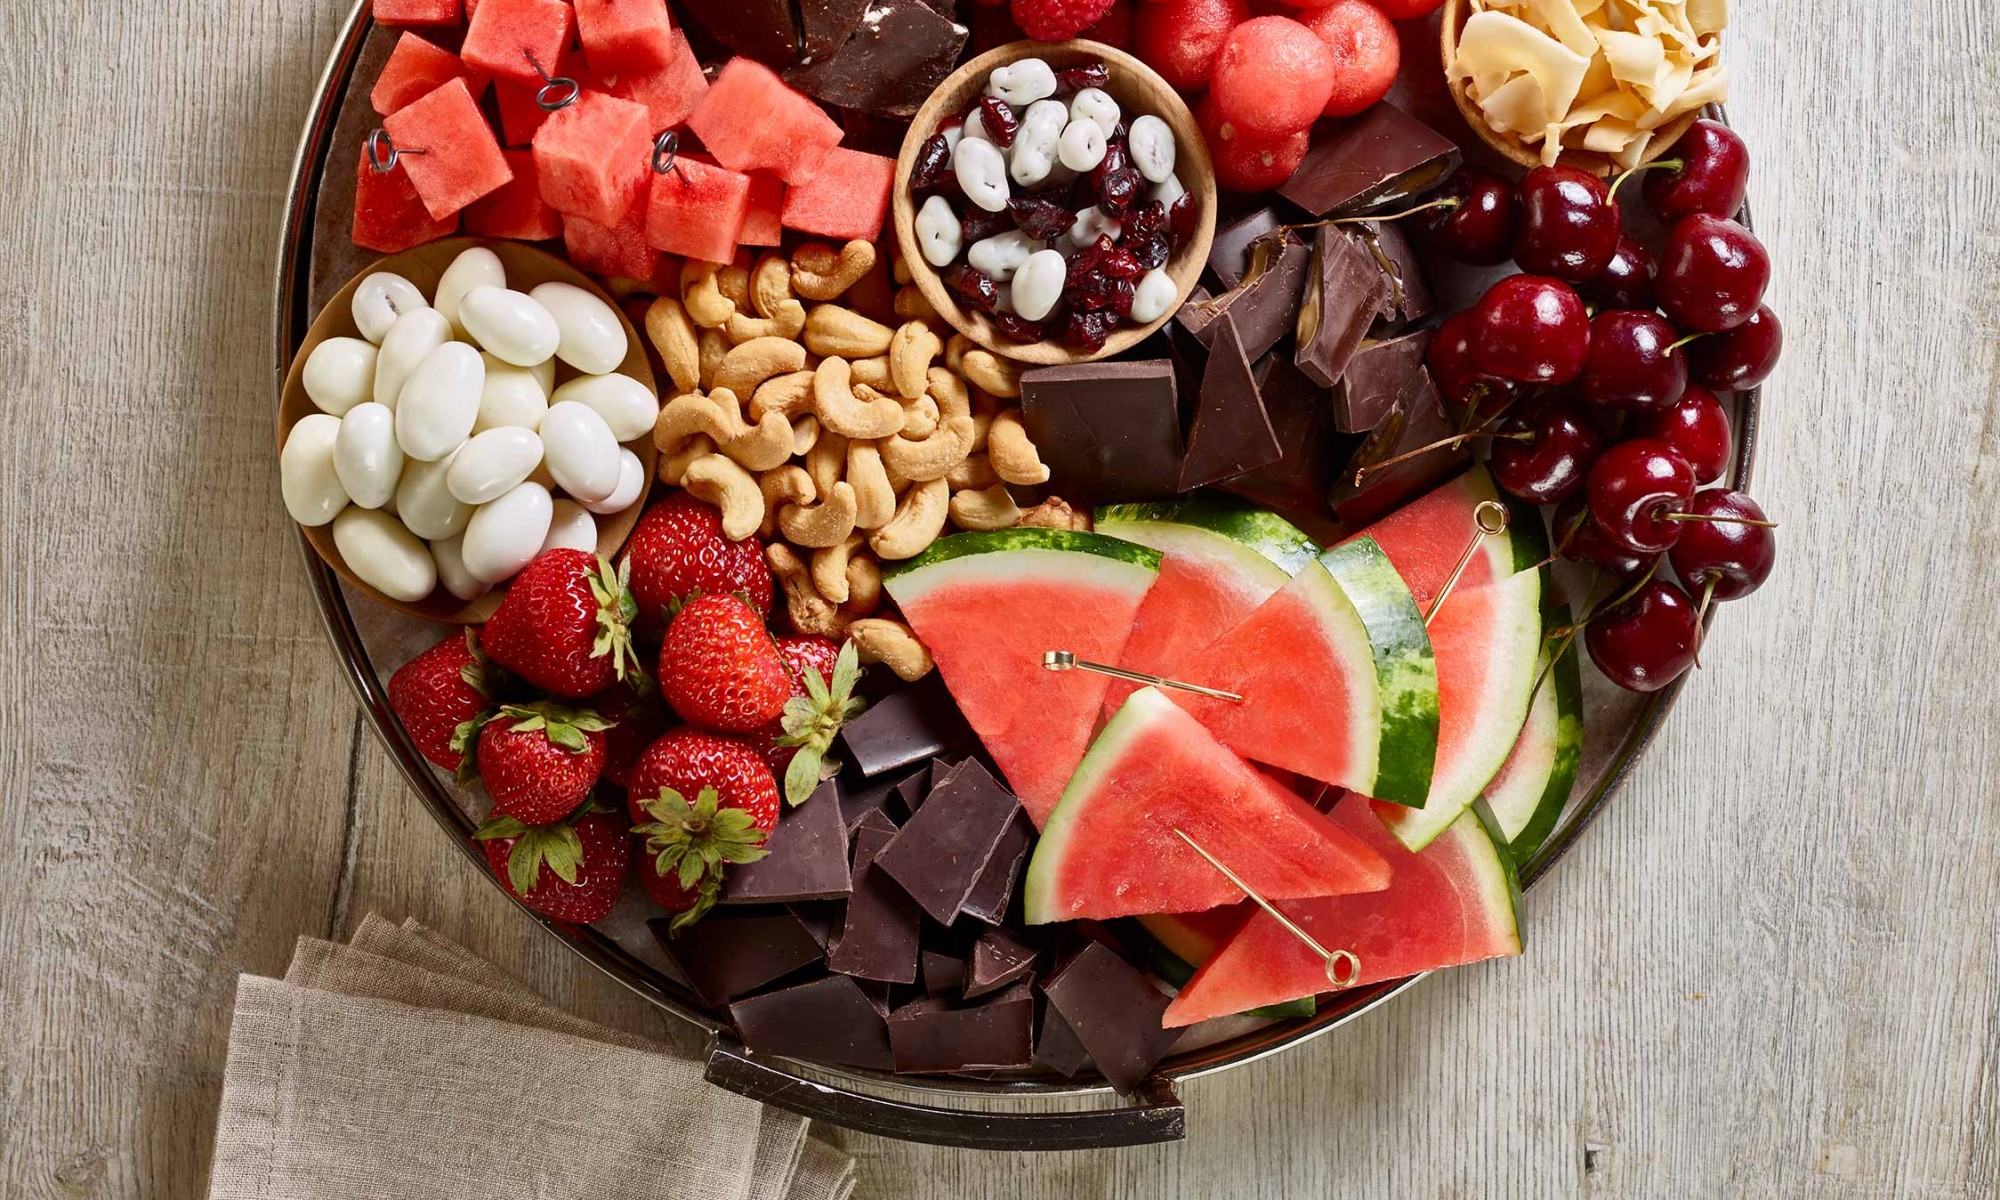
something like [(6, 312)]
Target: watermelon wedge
[(1528, 794), (1425, 537), (990, 605), (1406, 684), (1456, 902), (1176, 944), (1111, 848)]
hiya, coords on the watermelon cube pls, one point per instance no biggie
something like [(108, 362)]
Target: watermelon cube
[(460, 159), (594, 156), (610, 251), (389, 216), (697, 210), (416, 12), (670, 93), (751, 121), (416, 67), (520, 117), (846, 198), (517, 210), (625, 35), (763, 224), (508, 38)]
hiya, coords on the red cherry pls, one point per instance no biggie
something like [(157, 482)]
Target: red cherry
[(1458, 376), (1531, 329), (1713, 274), (1551, 463), (1480, 229), (1648, 641), (1632, 489), (1741, 358), (1697, 426), (1569, 224), (1634, 361), (1579, 539), (1713, 176), (1732, 555), (1626, 281)]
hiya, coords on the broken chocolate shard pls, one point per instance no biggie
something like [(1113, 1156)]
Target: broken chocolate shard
[(1382, 157), (726, 954), (1375, 379), (828, 1020), (860, 796), (887, 60), (1265, 305), (1409, 294), (909, 794), (1232, 434), (1108, 431), (998, 959), (1114, 1011), (944, 973), (990, 896), (930, 1035), (805, 859), (941, 852), (879, 935), (1229, 253), (912, 723), (1347, 291), (761, 29), (941, 768), (1417, 420), (1302, 416), (1056, 1046)]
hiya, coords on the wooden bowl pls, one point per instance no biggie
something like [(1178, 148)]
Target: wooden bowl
[(1456, 12), (526, 267), (1138, 90)]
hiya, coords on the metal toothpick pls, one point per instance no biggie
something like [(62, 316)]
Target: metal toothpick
[(666, 153), (1334, 959), (1488, 518), (383, 153), (557, 91), (1063, 660)]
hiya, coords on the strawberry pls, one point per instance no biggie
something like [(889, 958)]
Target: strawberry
[(585, 860), (636, 717), (795, 745), (538, 760), (565, 624), (688, 843), (719, 668), (677, 552), (439, 692)]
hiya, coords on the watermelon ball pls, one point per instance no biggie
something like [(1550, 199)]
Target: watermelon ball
[(1405, 10), (1366, 53), (1181, 38), (1057, 20), (1273, 76), (1243, 162)]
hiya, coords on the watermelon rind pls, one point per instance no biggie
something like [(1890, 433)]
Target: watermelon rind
[(1220, 524), (1000, 541), (1039, 904), (1405, 669), (1503, 885), (1176, 971), (1528, 795)]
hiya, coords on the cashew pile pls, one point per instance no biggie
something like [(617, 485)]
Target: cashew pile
[(842, 439)]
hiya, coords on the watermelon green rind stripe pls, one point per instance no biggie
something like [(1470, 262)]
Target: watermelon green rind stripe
[(1343, 629), (1000, 541), (1527, 804), (1405, 670), (1277, 540), (1176, 971), (1502, 881), (1131, 721)]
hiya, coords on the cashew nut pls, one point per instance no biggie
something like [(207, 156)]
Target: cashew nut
[(989, 372), (674, 466), (831, 329), (819, 273), (872, 371), (810, 611), (805, 435), (829, 568), (718, 417), (779, 486), (946, 447), (911, 349), (864, 586), (982, 429), (717, 479), (754, 361), (770, 283), (986, 508), (894, 645), (787, 323), (733, 280), (912, 305), (899, 267), (826, 462), (954, 352), (714, 349), (919, 519), (1014, 457), (974, 473), (702, 295), (875, 499), (949, 392), (920, 417), (672, 333), (826, 523), (788, 394), (856, 411), (1054, 513)]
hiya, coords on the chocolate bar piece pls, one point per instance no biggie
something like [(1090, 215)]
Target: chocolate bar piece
[(944, 973), (1417, 420), (1384, 156), (879, 937), (995, 890), (1302, 416), (1056, 1047), (912, 723), (1114, 1010), (726, 954), (998, 959), (1108, 431), (1346, 293), (805, 859), (929, 1035), (1231, 432), (828, 1020), (1375, 379), (1409, 297), (1229, 253), (1265, 304), (887, 60), (940, 853), (861, 796), (762, 29)]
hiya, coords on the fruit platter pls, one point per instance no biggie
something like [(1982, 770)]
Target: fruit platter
[(985, 549)]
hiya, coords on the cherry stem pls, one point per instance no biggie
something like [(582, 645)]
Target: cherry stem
[(1718, 519), (1562, 543), (1450, 443), (1446, 202), (1598, 611), (1692, 337), (1701, 616), (1672, 164)]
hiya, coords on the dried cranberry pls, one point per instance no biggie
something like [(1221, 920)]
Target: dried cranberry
[(973, 286), (933, 162), (1039, 218), (1094, 291), (1119, 263), (1018, 327), (1087, 330), (1071, 80), (1117, 191), (1144, 221), (1152, 250), (1181, 219), (977, 224), (999, 121)]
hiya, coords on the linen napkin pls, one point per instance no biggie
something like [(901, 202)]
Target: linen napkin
[(403, 1065)]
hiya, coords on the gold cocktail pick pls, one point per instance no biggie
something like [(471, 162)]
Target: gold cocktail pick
[(1335, 959), (1488, 518), (1063, 660)]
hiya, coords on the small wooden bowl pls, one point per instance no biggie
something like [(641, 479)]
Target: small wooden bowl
[(1456, 13), (1138, 90), (526, 267)]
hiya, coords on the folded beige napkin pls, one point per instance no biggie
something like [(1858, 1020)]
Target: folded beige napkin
[(403, 1065)]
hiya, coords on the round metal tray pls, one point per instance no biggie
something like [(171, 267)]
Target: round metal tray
[(315, 256)]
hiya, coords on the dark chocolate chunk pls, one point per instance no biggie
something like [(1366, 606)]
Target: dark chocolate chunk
[(940, 853), (1056, 1046), (995, 889), (1108, 431), (1375, 379), (1417, 420), (915, 722), (944, 973), (1229, 253), (1409, 297), (1231, 432), (726, 954), (1265, 304), (860, 796), (929, 1035), (1346, 293), (998, 959), (1384, 156), (821, 918), (1302, 416), (910, 793), (825, 24), (762, 29), (886, 62), (1114, 1010), (940, 770), (878, 938), (806, 859), (829, 1020)]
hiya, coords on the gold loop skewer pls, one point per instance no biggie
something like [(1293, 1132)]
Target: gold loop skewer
[(1063, 660), (1488, 518), (1335, 959)]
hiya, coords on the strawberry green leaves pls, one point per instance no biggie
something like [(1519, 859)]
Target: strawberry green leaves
[(694, 842), (558, 846), (812, 720), (563, 726), (616, 613)]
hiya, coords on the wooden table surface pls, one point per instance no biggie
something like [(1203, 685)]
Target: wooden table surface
[(1769, 970)]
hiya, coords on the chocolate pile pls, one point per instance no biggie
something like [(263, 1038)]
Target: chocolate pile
[(878, 57)]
